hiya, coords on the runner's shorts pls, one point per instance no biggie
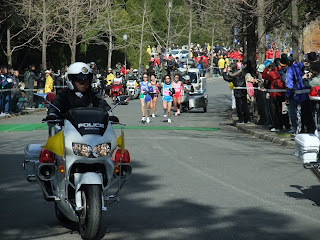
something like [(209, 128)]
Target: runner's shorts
[(177, 95), (167, 98)]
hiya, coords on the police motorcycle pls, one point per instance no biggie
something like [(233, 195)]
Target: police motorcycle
[(82, 167), (198, 97), (96, 84), (132, 82)]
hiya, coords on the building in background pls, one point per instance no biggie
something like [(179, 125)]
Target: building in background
[(311, 37)]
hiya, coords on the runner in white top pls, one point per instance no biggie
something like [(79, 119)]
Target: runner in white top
[(154, 93), (144, 98), (167, 96)]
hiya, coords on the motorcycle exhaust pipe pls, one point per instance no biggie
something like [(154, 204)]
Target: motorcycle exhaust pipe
[(46, 172)]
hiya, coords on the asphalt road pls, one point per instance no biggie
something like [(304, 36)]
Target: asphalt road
[(186, 184)]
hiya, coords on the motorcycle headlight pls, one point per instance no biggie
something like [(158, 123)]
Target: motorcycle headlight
[(101, 150), (85, 150)]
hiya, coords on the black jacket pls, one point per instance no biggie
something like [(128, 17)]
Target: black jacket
[(67, 100), (238, 79)]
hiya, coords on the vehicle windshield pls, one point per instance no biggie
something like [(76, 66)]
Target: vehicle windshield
[(193, 77), (175, 51)]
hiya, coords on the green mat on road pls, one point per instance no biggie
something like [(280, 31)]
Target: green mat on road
[(22, 127), (31, 127)]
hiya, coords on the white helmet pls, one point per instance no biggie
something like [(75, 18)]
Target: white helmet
[(186, 77), (135, 70), (78, 70)]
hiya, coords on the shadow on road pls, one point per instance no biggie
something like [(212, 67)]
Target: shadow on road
[(311, 193)]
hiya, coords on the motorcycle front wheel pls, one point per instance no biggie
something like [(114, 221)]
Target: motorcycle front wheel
[(90, 217)]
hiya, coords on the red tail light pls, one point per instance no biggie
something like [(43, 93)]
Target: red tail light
[(125, 156), (46, 156)]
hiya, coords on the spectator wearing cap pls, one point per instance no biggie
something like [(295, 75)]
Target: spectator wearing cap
[(49, 82), (272, 74), (108, 80), (315, 74), (263, 117)]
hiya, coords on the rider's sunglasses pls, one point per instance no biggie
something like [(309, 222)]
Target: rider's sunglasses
[(80, 78)]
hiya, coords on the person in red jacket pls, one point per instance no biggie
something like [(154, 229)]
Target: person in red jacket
[(280, 116)]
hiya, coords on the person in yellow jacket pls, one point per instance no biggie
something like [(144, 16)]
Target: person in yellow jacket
[(226, 60), (109, 80), (221, 64), (149, 49), (208, 47), (48, 87)]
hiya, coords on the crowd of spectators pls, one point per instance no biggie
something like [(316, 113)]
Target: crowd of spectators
[(279, 99)]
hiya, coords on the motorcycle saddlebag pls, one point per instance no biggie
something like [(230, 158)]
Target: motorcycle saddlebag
[(32, 152), (307, 148)]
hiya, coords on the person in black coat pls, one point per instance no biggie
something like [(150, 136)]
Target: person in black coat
[(79, 93), (237, 77)]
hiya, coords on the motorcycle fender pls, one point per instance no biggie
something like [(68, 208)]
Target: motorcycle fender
[(88, 178)]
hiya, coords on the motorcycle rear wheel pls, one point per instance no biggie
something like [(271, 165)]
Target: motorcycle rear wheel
[(91, 215)]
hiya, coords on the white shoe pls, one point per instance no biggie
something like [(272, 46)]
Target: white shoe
[(274, 130), (169, 120), (178, 111), (165, 115), (143, 119), (148, 120), (153, 115)]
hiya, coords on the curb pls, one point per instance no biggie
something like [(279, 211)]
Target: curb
[(23, 112), (262, 132)]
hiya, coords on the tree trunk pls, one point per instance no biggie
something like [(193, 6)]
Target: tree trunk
[(244, 36), (44, 36), (110, 48), (261, 31), (169, 25), (73, 49), (190, 25), (110, 52), (142, 32), (251, 41), (295, 30), (9, 53)]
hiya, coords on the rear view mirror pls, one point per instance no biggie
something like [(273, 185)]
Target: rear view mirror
[(47, 97), (114, 119), (42, 95)]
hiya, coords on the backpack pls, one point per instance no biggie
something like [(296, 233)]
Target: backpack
[(250, 89), (282, 72)]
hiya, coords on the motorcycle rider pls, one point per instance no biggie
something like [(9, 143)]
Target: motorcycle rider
[(109, 80), (117, 80), (187, 84), (78, 94)]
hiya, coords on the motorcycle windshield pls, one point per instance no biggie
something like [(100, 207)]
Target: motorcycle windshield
[(89, 120)]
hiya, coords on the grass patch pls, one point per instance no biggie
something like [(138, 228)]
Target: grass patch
[(284, 135)]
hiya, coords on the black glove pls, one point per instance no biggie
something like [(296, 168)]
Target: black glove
[(51, 117)]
